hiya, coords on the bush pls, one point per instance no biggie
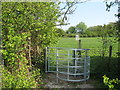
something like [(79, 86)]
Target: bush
[(20, 78), (111, 83)]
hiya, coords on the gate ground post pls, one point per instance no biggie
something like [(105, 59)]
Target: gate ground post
[(57, 65), (45, 60)]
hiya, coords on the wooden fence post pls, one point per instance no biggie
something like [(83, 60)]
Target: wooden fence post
[(74, 57), (110, 55)]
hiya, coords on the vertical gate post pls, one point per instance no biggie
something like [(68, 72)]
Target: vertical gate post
[(73, 57), (57, 64), (85, 59), (68, 65), (74, 61), (46, 61)]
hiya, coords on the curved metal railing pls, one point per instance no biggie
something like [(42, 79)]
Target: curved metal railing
[(70, 64)]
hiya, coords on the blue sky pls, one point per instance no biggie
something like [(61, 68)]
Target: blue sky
[(92, 13)]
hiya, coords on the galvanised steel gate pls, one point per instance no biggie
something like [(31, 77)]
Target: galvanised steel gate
[(69, 64)]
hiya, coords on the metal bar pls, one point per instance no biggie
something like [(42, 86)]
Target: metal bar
[(68, 48), (68, 65), (75, 68), (46, 60), (57, 64), (75, 62), (51, 71), (85, 65), (72, 73), (48, 63), (89, 65)]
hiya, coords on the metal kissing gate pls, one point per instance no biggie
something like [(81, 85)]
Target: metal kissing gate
[(68, 64)]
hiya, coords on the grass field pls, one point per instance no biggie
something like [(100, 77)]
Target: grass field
[(92, 43), (72, 43)]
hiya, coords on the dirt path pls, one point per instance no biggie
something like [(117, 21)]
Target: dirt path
[(51, 82)]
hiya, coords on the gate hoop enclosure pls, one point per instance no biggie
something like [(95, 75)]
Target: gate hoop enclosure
[(69, 64)]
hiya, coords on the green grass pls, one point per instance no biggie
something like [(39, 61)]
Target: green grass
[(92, 43), (85, 43), (89, 43)]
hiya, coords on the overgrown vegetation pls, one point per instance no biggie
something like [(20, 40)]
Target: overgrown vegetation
[(112, 84), (27, 28), (26, 31)]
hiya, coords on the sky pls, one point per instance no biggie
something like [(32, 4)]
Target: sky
[(92, 13)]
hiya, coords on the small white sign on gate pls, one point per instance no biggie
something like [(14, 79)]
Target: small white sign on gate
[(77, 37)]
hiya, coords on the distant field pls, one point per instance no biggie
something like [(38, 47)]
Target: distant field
[(72, 43), (92, 43)]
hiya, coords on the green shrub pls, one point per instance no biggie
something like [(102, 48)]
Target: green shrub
[(20, 78), (111, 83)]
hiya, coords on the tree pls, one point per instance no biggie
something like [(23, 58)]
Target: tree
[(108, 6), (60, 32), (94, 31), (112, 29), (71, 30), (81, 27)]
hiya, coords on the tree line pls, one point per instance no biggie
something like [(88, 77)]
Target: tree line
[(94, 31)]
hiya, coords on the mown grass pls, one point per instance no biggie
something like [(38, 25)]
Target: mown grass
[(72, 43), (92, 43), (88, 42)]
